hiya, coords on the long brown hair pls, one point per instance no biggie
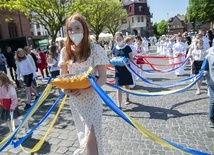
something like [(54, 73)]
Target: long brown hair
[(18, 59), (85, 48), (52, 54), (5, 80)]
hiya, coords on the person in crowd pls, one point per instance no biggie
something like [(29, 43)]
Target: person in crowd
[(169, 50), (41, 61), (209, 73), (33, 55), (129, 41), (61, 44), (9, 102), (86, 106), (29, 55), (179, 51), (11, 64), (209, 35), (206, 41), (145, 45), (53, 60), (26, 69), (2, 62), (140, 51), (122, 75), (197, 57)]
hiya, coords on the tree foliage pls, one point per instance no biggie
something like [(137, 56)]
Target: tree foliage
[(100, 14), (162, 27), (200, 10), (52, 14), (155, 25), (116, 18)]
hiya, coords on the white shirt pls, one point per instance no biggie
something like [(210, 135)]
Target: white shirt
[(179, 48), (54, 61), (32, 61), (198, 54), (25, 67)]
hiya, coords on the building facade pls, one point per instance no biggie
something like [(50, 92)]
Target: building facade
[(14, 30), (17, 25), (139, 18), (176, 25)]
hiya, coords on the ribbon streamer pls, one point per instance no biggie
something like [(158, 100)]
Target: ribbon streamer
[(156, 70), (137, 125), (159, 85), (30, 112)]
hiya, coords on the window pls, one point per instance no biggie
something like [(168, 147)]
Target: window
[(142, 19), (138, 19), (39, 33), (130, 8), (37, 25), (178, 25), (132, 19), (12, 30), (140, 8)]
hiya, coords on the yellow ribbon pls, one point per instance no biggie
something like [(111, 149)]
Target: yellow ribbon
[(42, 140), (44, 95)]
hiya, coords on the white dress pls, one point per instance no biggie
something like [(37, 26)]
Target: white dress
[(87, 108)]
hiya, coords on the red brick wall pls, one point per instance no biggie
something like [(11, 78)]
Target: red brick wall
[(21, 23)]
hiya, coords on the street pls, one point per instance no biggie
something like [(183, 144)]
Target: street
[(181, 118)]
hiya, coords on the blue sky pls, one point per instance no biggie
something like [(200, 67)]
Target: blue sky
[(163, 9)]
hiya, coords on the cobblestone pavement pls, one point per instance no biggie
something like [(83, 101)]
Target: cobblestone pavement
[(181, 118)]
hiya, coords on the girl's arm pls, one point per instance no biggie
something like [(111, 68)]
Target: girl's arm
[(13, 97), (18, 71)]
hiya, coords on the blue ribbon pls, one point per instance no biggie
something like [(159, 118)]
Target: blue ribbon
[(114, 107), (17, 143)]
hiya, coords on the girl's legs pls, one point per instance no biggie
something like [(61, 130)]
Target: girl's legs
[(34, 90), (42, 72), (9, 126), (127, 95), (119, 98), (28, 94), (91, 145), (198, 87)]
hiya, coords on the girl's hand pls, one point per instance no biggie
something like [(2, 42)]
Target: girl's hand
[(205, 73)]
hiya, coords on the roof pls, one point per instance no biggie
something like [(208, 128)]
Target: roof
[(137, 9)]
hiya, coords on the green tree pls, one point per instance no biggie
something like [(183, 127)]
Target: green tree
[(155, 25), (162, 27), (116, 18), (99, 14), (200, 10), (52, 14)]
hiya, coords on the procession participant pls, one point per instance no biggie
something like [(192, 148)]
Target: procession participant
[(122, 75), (179, 51), (77, 55)]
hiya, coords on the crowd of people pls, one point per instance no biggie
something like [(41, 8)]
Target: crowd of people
[(77, 54)]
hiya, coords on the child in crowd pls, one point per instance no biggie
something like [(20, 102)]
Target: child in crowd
[(208, 66), (26, 69), (197, 56), (2, 62), (9, 101)]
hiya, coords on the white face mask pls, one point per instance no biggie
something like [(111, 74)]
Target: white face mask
[(76, 38), (120, 43), (200, 47)]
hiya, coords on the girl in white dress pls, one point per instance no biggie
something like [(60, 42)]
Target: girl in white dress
[(179, 51), (86, 106)]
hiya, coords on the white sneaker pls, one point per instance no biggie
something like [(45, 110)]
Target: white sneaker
[(198, 92), (211, 124)]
